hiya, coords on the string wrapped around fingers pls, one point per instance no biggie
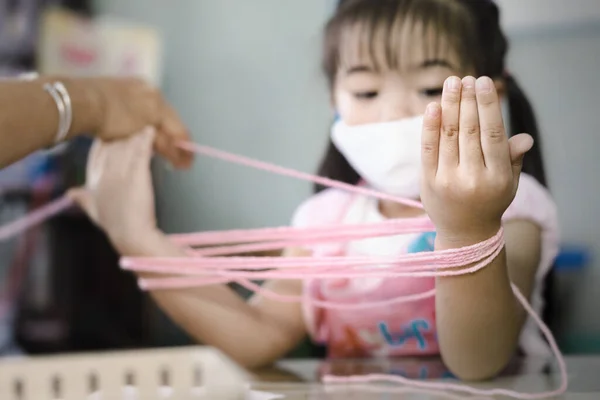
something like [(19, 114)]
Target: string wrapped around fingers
[(210, 266)]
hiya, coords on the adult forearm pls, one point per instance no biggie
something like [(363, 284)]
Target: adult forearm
[(478, 318), (29, 116)]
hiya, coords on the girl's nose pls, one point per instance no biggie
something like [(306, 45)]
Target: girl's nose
[(395, 110)]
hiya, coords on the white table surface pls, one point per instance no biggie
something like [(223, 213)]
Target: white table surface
[(295, 380), (219, 378)]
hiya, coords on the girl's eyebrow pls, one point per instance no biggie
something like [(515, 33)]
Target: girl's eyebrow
[(430, 63), (435, 62), (358, 69)]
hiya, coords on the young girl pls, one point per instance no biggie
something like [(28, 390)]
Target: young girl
[(408, 126)]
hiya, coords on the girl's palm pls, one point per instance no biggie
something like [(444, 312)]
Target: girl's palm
[(470, 167)]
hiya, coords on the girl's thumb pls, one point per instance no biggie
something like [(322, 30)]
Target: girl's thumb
[(518, 146), (84, 200)]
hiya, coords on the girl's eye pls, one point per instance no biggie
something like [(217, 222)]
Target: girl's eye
[(432, 92), (366, 95)]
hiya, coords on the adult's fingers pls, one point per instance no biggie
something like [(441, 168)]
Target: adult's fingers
[(170, 132)]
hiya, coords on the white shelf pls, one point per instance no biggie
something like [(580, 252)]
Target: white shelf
[(181, 373)]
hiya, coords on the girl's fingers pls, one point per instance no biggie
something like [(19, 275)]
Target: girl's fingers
[(469, 139), (140, 149), (85, 201), (120, 156), (448, 152), (94, 152), (95, 164), (494, 141), (147, 145), (518, 145), (430, 139), (162, 145)]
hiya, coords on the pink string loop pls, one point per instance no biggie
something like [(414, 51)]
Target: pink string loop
[(209, 266), (35, 217)]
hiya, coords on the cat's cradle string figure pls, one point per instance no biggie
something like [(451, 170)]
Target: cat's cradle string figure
[(211, 266)]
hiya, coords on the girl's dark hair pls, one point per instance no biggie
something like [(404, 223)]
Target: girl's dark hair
[(469, 28)]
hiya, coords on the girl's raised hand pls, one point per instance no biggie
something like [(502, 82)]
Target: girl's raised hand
[(470, 167), (118, 195)]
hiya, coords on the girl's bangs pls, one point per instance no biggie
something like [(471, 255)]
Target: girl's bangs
[(395, 35)]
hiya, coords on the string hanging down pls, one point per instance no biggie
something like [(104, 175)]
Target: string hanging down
[(209, 266)]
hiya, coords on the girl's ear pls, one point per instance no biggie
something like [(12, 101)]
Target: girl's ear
[(333, 106)]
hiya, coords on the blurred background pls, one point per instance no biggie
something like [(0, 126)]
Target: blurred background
[(245, 77)]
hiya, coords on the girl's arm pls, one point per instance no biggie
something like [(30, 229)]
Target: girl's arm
[(254, 333), (471, 173), (479, 319), (119, 198)]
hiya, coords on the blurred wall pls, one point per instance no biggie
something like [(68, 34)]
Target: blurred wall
[(534, 15), (245, 77), (558, 68)]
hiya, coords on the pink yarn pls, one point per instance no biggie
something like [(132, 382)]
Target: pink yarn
[(35, 217), (208, 266)]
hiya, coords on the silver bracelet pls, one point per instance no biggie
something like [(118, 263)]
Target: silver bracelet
[(65, 109), (62, 90)]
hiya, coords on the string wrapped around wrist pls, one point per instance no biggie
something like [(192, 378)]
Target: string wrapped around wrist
[(209, 266)]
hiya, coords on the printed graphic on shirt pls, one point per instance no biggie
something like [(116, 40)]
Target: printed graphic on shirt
[(423, 243), (419, 329), (415, 330), (409, 329)]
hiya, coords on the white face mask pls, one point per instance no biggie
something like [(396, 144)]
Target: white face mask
[(387, 155)]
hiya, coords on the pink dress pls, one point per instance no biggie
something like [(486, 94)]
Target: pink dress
[(407, 329)]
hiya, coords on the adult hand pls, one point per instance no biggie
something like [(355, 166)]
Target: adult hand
[(125, 106)]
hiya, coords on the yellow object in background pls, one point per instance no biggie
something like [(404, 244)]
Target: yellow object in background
[(70, 44)]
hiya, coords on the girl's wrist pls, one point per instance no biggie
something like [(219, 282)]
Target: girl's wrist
[(139, 244), (450, 239)]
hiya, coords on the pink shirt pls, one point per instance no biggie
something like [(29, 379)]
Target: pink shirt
[(406, 329)]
